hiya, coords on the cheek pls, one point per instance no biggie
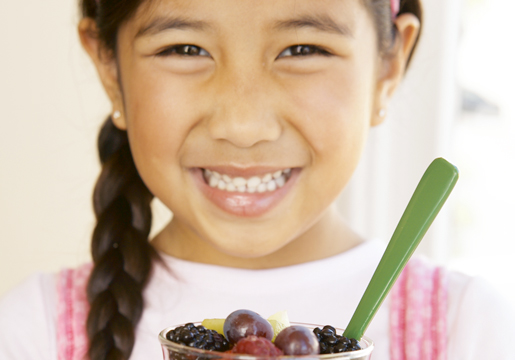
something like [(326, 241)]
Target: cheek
[(333, 117), (334, 111), (160, 112)]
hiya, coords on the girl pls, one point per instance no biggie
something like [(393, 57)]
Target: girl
[(246, 119)]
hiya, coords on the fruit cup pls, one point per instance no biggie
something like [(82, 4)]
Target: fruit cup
[(174, 351)]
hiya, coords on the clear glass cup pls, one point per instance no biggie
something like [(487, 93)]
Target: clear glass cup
[(174, 351)]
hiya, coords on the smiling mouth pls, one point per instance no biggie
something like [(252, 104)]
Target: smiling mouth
[(255, 184)]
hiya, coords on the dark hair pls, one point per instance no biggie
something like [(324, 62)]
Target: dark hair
[(120, 249), (121, 252), (386, 30)]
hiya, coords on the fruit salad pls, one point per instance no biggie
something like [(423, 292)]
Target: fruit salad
[(246, 332)]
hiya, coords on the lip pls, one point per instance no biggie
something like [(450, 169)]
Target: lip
[(243, 204)]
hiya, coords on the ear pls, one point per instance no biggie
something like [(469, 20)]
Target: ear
[(105, 63), (393, 66)]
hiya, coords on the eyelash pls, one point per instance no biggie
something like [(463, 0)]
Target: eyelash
[(183, 50), (192, 50), (304, 50)]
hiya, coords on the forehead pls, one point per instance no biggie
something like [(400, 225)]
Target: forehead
[(342, 16)]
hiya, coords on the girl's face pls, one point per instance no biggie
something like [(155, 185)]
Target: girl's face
[(275, 96)]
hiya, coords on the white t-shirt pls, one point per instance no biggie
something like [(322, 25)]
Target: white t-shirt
[(480, 324)]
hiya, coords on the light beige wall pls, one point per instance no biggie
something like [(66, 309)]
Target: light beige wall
[(418, 128), (50, 108)]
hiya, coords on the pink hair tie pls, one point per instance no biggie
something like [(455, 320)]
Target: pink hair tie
[(395, 6)]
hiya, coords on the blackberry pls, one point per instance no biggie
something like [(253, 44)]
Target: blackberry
[(198, 337), (331, 343)]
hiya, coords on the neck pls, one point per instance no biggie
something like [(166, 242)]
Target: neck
[(329, 236)]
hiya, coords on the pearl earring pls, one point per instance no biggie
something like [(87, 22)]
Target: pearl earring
[(116, 114), (382, 112)]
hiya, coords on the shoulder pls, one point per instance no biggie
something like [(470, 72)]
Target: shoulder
[(42, 311), (29, 312), (478, 318)]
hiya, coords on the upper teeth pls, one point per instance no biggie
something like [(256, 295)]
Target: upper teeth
[(267, 182)]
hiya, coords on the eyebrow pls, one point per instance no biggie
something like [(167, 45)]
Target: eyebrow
[(319, 22), (161, 24)]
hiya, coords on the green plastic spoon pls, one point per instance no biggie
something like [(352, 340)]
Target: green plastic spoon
[(427, 200)]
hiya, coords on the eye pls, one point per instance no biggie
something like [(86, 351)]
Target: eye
[(183, 50), (303, 50)]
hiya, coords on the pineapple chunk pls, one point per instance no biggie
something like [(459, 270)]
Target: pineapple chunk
[(214, 324), (279, 321)]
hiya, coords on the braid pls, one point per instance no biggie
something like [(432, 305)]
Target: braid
[(120, 249)]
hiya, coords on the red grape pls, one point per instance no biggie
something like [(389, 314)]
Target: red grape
[(297, 340), (242, 323)]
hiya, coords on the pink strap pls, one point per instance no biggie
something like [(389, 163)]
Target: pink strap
[(72, 311), (418, 313)]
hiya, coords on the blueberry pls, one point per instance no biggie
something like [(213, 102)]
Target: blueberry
[(198, 337), (330, 342)]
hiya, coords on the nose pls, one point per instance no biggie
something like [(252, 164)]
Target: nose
[(244, 113)]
